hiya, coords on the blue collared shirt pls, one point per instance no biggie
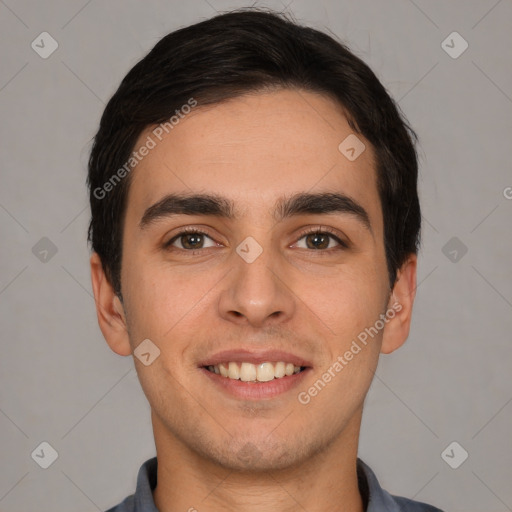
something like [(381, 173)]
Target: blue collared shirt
[(375, 498)]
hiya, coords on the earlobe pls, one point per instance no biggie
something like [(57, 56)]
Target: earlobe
[(109, 309), (401, 302)]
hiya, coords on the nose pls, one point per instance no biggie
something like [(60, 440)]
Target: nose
[(258, 292)]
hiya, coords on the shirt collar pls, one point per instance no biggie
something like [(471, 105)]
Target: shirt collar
[(375, 498)]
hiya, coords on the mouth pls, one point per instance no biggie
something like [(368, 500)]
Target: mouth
[(255, 376), (249, 372)]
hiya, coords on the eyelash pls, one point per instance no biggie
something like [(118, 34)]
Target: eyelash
[(324, 230)]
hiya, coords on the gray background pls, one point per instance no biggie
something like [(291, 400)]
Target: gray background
[(59, 381)]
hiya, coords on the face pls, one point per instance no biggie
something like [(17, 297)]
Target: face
[(282, 262)]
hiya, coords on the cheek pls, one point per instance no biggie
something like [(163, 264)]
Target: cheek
[(346, 301), (162, 298)]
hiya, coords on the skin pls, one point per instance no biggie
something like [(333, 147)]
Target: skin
[(312, 302)]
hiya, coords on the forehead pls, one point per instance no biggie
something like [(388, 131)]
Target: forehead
[(254, 149)]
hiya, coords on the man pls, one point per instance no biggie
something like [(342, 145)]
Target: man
[(255, 225)]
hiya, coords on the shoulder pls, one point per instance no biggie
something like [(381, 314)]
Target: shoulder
[(407, 505), (379, 500), (142, 499), (127, 505)]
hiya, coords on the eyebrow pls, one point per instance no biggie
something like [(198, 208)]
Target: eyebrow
[(219, 206)]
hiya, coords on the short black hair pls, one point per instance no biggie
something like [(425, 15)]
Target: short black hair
[(224, 57)]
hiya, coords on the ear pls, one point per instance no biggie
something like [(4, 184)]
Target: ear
[(401, 301), (110, 311)]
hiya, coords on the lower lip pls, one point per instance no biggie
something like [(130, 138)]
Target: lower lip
[(256, 390)]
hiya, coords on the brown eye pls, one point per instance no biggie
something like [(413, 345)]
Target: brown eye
[(189, 240), (317, 241), (320, 240)]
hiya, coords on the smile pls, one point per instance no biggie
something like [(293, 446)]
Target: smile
[(249, 372)]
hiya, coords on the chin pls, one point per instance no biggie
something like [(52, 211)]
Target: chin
[(250, 459), (260, 455)]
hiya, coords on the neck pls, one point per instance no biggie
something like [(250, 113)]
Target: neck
[(188, 481)]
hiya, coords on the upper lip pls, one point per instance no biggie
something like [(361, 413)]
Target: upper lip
[(254, 357)]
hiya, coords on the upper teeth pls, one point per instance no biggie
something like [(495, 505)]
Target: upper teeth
[(247, 372)]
